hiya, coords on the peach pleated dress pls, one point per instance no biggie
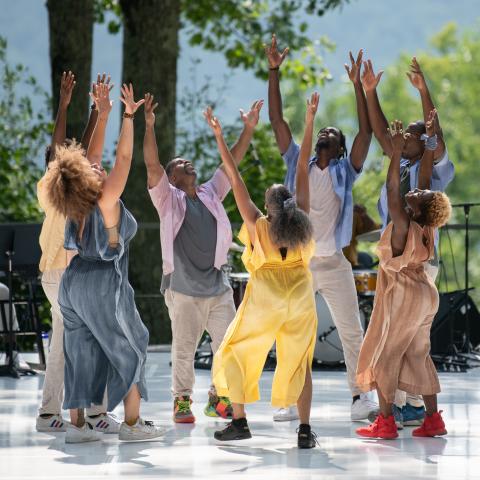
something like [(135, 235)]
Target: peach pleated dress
[(396, 349)]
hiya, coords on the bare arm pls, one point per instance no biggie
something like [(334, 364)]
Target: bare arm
[(281, 129), (67, 84), (250, 121), (400, 219), (361, 144), (248, 210), (115, 182), (417, 79), (302, 186), (378, 121), (155, 169), (426, 164)]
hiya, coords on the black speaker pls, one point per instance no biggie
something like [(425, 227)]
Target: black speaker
[(449, 326)]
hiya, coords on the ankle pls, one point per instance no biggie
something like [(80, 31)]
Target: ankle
[(131, 421), (240, 422), (304, 428)]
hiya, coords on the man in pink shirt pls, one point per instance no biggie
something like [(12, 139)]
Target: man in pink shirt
[(195, 236)]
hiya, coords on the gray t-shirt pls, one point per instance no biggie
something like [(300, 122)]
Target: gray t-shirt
[(194, 248)]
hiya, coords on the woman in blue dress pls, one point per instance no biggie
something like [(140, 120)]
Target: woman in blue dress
[(105, 339)]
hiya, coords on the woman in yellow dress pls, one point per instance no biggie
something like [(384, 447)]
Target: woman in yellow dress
[(278, 305)]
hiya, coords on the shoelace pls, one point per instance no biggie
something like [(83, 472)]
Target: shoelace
[(183, 406)]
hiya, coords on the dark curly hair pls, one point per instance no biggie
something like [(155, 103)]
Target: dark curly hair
[(290, 226)]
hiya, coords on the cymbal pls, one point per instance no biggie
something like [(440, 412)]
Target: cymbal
[(373, 236), (235, 247)]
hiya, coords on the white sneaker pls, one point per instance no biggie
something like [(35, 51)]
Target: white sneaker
[(286, 414), (54, 424), (82, 434), (363, 407), (105, 423), (142, 430)]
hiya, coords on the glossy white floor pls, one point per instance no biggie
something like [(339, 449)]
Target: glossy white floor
[(190, 451)]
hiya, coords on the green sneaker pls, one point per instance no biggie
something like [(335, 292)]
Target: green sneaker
[(218, 407), (182, 412)]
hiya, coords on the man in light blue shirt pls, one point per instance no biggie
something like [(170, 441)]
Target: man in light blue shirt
[(409, 408), (331, 176)]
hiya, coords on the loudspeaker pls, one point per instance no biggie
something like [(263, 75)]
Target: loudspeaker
[(449, 327)]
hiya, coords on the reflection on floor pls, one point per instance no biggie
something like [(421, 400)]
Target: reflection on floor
[(190, 451)]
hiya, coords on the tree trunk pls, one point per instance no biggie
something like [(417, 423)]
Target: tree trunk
[(150, 51), (71, 36)]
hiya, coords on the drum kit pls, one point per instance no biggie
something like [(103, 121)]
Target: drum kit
[(328, 349)]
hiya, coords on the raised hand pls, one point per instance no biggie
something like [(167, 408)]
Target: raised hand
[(369, 79), (397, 136), (353, 71), (101, 97), (432, 123), (312, 106), (149, 110), (250, 119), (415, 75), (275, 58), (67, 84), (128, 99), (212, 121), (104, 79)]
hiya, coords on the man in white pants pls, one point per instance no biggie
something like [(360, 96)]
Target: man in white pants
[(332, 174), (409, 409)]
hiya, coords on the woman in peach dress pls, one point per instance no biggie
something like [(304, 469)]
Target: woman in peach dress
[(396, 349)]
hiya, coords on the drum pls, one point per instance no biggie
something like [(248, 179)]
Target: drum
[(365, 281), (328, 347), (238, 281)]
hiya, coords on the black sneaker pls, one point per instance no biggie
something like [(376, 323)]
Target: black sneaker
[(306, 438), (235, 430)]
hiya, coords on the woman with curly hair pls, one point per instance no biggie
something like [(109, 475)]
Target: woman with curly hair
[(105, 340), (278, 305), (396, 350)]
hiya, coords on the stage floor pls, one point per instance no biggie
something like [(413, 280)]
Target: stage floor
[(191, 452)]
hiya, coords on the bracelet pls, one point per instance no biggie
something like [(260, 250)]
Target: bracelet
[(128, 115), (431, 143), (274, 68), (93, 106)]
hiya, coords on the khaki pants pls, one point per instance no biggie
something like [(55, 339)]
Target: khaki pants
[(52, 397), (333, 279), (190, 317), (402, 398)]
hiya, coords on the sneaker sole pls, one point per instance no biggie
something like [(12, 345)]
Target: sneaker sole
[(435, 433), (184, 420), (128, 438), (72, 440), (285, 419), (389, 437), (51, 430), (233, 439)]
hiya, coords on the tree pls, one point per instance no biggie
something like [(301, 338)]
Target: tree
[(71, 36)]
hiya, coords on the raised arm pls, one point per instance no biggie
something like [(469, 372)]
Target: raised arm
[(248, 210), (92, 118), (377, 119), (101, 97), (302, 186), (117, 179), (281, 129), (361, 144), (417, 79), (155, 169), (431, 144), (400, 219), (67, 84)]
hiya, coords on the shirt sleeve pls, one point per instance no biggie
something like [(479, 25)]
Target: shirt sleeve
[(352, 172), (160, 192), (443, 171), (219, 184), (290, 157)]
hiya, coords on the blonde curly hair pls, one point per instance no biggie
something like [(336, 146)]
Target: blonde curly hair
[(437, 211), (73, 187)]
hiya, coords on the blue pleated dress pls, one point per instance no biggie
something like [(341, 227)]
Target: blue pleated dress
[(105, 341)]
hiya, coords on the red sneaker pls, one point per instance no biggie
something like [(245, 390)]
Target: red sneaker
[(381, 428), (181, 410), (432, 426)]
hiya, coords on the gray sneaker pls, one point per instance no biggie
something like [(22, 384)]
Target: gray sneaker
[(82, 434), (142, 430)]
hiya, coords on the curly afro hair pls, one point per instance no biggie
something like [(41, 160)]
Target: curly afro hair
[(437, 211)]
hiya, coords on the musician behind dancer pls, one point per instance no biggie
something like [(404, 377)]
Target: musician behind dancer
[(332, 172), (409, 409), (195, 235)]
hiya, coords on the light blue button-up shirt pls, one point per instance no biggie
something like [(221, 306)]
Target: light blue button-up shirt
[(442, 174), (343, 175)]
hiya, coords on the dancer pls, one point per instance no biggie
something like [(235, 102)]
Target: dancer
[(409, 409), (53, 262), (278, 305), (332, 173), (195, 235), (105, 339), (396, 350)]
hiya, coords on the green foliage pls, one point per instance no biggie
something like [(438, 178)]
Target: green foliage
[(23, 137)]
